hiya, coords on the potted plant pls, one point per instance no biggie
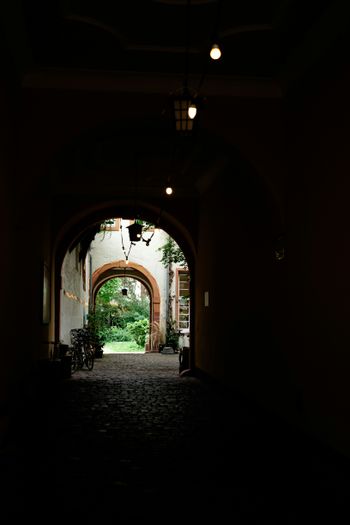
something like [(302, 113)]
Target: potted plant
[(172, 336), (96, 338)]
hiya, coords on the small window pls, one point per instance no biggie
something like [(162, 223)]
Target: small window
[(111, 225)]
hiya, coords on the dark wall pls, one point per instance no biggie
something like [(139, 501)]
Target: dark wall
[(5, 261), (240, 335), (48, 194), (319, 249)]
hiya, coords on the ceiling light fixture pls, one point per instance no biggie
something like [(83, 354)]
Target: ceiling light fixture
[(185, 101), (185, 106), (215, 52), (137, 230)]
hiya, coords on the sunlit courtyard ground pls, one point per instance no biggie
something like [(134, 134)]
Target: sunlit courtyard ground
[(123, 347)]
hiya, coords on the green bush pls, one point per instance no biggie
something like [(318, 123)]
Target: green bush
[(118, 335), (172, 335), (139, 330)]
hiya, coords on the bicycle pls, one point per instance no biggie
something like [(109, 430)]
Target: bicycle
[(82, 353)]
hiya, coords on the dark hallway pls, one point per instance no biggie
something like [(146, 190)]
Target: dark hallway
[(96, 106), (132, 440)]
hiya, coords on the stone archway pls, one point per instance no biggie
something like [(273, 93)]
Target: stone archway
[(136, 271)]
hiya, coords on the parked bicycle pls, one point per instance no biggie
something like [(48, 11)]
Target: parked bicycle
[(82, 350)]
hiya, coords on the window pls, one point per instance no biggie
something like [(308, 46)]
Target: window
[(112, 225), (183, 300)]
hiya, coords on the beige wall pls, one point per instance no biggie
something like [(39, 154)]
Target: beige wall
[(74, 298)]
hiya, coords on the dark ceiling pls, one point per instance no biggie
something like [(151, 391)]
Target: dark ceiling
[(149, 35), (258, 37), (139, 46)]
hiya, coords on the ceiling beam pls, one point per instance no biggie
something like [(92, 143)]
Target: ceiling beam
[(128, 82)]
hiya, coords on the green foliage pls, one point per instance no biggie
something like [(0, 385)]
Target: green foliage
[(95, 325), (117, 335), (106, 223), (115, 311), (104, 227), (116, 347), (145, 224), (172, 253), (96, 335), (172, 335), (139, 330), (109, 291), (108, 315)]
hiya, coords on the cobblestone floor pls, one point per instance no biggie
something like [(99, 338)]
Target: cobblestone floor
[(133, 440)]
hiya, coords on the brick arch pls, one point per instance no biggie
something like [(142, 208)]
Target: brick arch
[(110, 271)]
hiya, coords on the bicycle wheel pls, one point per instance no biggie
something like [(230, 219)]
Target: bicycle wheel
[(74, 362), (89, 359)]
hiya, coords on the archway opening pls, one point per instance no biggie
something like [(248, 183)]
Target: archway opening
[(105, 254), (121, 312)]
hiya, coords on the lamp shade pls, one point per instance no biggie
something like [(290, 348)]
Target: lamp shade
[(135, 232)]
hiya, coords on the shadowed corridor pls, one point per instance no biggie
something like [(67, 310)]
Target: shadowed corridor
[(132, 439)]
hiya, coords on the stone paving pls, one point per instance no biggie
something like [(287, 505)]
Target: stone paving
[(133, 440)]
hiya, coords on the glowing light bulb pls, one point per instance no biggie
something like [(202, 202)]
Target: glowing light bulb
[(192, 111), (169, 190), (126, 261), (215, 52)]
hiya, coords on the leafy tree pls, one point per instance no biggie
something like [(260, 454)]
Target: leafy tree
[(115, 310), (109, 291), (172, 253)]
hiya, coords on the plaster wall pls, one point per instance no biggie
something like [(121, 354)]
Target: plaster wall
[(107, 247), (74, 298)]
